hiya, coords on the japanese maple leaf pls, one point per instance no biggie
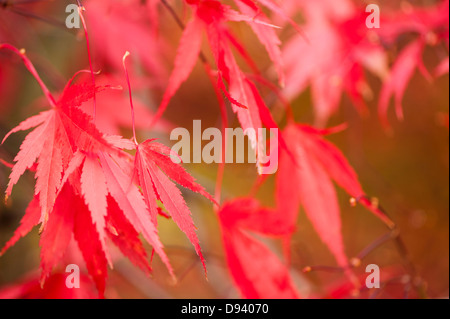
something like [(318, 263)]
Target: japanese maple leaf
[(98, 200), (105, 177), (75, 216), (426, 21), (88, 190), (312, 167), (430, 24), (257, 271), (396, 84), (154, 168), (267, 36), (211, 17), (124, 235), (58, 132), (66, 220), (208, 15), (332, 58), (112, 207), (77, 170), (71, 217)]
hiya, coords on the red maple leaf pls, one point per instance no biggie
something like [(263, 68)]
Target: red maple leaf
[(430, 25), (211, 17), (85, 186), (154, 168), (312, 166), (255, 269), (331, 59)]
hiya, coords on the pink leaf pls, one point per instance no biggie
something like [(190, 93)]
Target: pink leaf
[(124, 236), (132, 204), (58, 231), (187, 55), (29, 220), (173, 201), (94, 191), (255, 269), (401, 74), (88, 240)]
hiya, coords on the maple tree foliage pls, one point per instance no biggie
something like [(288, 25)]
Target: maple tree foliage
[(321, 164), (430, 27), (337, 32), (79, 170), (98, 194)]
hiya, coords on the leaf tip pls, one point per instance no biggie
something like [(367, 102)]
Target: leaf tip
[(125, 56)]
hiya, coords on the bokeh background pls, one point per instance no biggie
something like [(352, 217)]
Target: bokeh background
[(407, 169)]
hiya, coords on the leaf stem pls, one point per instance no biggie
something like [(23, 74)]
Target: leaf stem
[(21, 53), (81, 8), (126, 55)]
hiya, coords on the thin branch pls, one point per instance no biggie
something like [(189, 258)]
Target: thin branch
[(28, 14), (376, 244)]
